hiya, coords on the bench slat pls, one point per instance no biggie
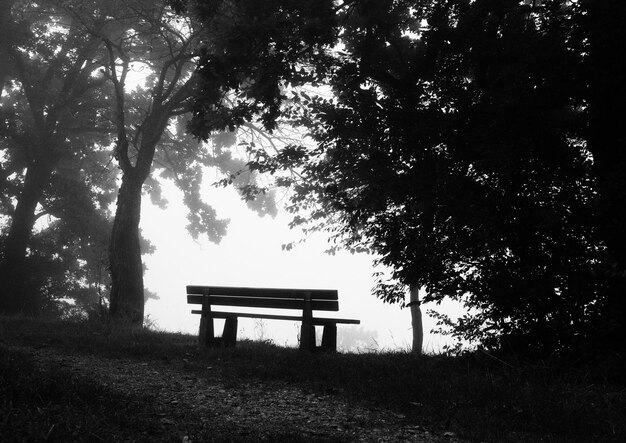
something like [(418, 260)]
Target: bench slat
[(316, 321), (319, 294), (255, 302)]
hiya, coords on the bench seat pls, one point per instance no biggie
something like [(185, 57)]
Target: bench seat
[(317, 321)]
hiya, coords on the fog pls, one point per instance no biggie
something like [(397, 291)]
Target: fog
[(251, 255)]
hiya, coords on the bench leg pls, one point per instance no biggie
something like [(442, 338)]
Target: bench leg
[(230, 332), (307, 337), (329, 337), (206, 334)]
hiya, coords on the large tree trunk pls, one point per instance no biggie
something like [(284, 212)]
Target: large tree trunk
[(416, 321), (127, 292), (16, 298)]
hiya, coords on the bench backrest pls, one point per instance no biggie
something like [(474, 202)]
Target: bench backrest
[(278, 298)]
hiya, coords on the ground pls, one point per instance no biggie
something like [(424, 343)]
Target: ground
[(187, 406), (84, 381)]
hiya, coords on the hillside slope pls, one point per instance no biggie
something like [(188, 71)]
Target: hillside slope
[(93, 381)]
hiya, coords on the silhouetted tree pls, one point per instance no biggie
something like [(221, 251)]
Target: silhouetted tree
[(150, 125), (143, 33), (454, 145)]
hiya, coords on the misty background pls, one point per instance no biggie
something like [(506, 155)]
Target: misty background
[(251, 254)]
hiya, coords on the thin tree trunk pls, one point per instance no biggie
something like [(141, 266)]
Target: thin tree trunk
[(16, 298), (416, 321), (127, 291)]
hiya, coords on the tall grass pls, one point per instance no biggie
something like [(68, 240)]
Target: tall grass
[(476, 396)]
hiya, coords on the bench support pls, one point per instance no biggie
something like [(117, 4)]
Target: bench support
[(329, 337), (207, 328), (307, 331), (307, 337), (230, 332), (207, 333)]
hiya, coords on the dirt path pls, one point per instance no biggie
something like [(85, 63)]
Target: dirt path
[(200, 408)]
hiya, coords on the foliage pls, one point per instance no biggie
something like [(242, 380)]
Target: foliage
[(453, 146), (267, 47)]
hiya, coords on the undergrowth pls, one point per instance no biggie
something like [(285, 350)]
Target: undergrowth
[(475, 396)]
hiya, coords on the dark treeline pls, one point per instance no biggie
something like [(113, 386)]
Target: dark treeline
[(473, 146)]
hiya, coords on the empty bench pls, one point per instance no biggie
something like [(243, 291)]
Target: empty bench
[(304, 300)]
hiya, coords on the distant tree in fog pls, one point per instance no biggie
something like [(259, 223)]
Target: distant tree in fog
[(52, 164)]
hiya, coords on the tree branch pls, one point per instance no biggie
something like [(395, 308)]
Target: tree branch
[(121, 150)]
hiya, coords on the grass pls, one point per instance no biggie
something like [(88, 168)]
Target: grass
[(476, 396), (46, 405)]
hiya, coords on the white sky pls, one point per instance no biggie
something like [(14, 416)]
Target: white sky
[(251, 255)]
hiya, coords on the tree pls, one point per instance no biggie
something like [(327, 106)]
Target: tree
[(416, 321), (68, 81), (52, 116), (152, 117), (453, 146), (57, 112), (139, 26)]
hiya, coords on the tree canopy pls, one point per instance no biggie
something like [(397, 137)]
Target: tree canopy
[(455, 145)]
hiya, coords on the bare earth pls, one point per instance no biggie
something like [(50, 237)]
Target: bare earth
[(204, 408)]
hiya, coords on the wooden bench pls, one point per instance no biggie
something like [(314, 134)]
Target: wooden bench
[(305, 300)]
